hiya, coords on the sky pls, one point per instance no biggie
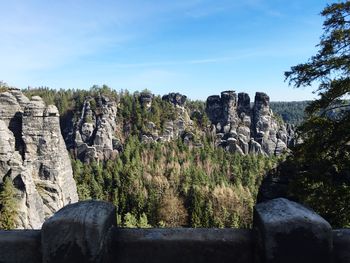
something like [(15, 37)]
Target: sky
[(196, 47)]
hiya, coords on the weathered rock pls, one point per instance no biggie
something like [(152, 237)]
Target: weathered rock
[(254, 147), (11, 111), (7, 142), (281, 147), (268, 132), (229, 105), (261, 104), (244, 146), (243, 104), (172, 129), (146, 99), (34, 156), (237, 117), (232, 146), (78, 232), (222, 109), (214, 109), (95, 130), (46, 151), (175, 98), (288, 232), (9, 105)]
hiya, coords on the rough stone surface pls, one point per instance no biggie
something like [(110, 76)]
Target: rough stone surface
[(85, 232), (214, 109), (33, 154), (20, 246), (146, 99), (288, 232), (175, 98), (257, 129), (341, 245), (182, 245), (95, 130), (180, 126), (78, 232), (243, 105)]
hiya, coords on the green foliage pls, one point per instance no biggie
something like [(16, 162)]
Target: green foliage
[(322, 162), (70, 99), (130, 220), (164, 184), (8, 205), (172, 184), (3, 86), (292, 112)]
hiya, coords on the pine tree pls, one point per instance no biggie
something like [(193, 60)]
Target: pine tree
[(322, 162), (8, 205)]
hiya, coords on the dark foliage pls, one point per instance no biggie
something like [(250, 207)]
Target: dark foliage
[(322, 178)]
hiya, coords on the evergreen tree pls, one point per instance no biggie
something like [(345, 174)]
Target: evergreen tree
[(322, 162), (8, 205), (130, 221)]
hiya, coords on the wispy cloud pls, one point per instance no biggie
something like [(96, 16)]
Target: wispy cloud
[(138, 43), (243, 54), (173, 62), (41, 35)]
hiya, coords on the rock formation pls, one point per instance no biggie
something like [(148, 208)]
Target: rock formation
[(238, 126), (245, 129), (146, 99), (33, 154), (178, 127), (175, 98), (95, 130)]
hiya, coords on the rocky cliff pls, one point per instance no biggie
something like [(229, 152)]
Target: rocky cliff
[(33, 154), (179, 126), (95, 130), (237, 125), (244, 129)]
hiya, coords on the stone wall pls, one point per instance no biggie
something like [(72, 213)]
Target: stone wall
[(284, 231)]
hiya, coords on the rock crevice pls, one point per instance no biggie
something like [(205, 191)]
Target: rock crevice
[(245, 129), (33, 154)]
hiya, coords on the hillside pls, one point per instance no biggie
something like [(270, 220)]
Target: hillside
[(291, 112), (163, 161)]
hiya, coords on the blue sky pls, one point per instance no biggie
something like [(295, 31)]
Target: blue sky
[(195, 47)]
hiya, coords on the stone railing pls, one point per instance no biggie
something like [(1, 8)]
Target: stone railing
[(283, 232)]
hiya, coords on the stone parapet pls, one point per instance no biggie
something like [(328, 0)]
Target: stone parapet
[(284, 231)]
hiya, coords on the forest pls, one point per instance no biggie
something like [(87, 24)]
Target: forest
[(164, 184), (194, 183), (172, 184)]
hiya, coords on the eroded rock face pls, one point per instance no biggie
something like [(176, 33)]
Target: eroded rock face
[(95, 130), (243, 105), (245, 129), (175, 98), (34, 155), (146, 99), (172, 128)]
